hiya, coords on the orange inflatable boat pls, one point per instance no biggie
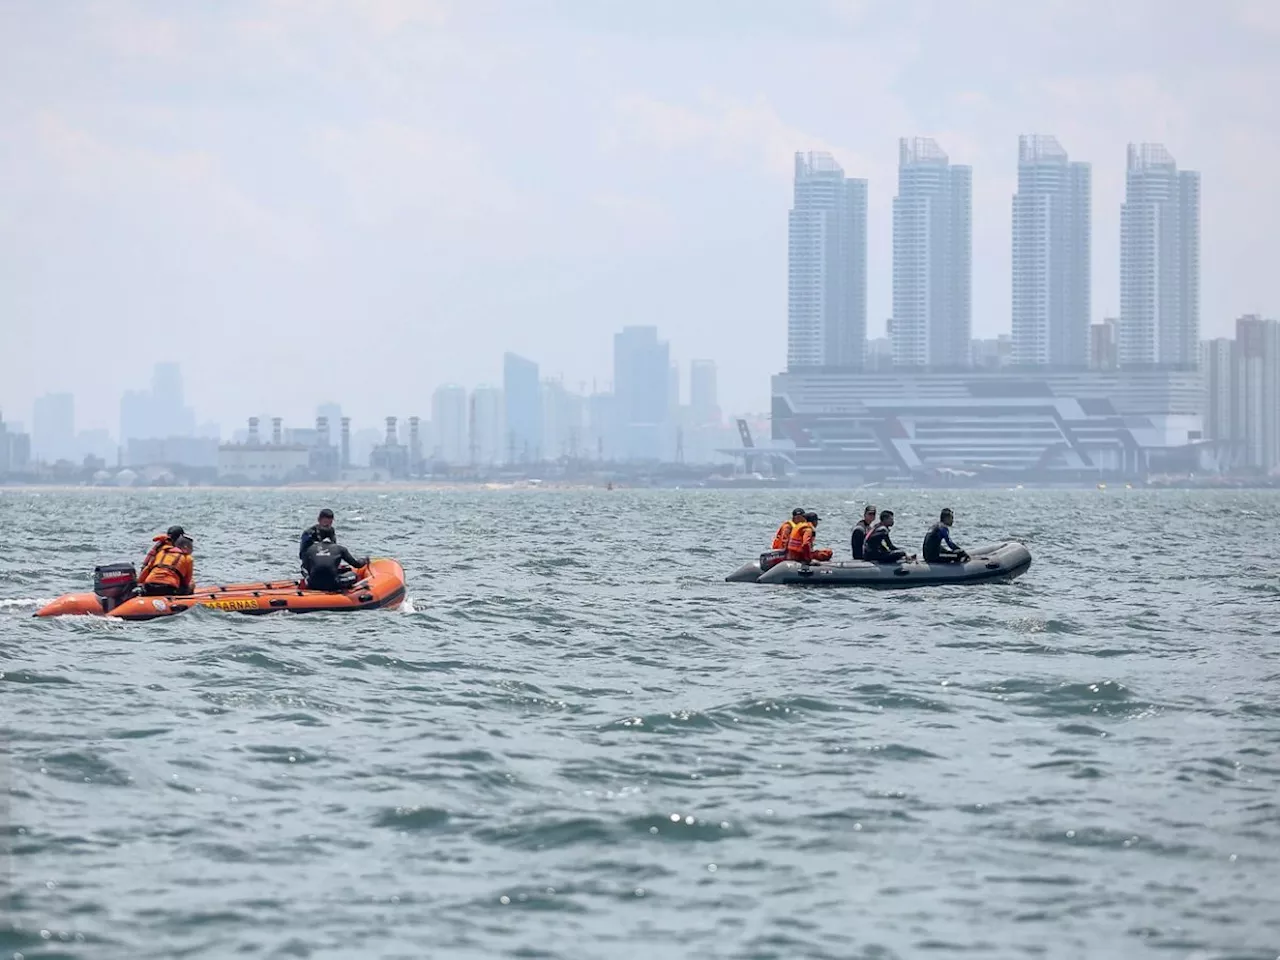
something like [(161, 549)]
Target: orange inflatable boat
[(380, 584)]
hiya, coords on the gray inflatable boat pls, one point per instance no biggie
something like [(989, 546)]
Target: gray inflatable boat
[(989, 562)]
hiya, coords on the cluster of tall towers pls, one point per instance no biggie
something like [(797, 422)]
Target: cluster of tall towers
[(1051, 296)]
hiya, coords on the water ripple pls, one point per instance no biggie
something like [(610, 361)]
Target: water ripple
[(574, 739)]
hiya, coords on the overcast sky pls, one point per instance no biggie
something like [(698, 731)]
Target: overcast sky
[(307, 200)]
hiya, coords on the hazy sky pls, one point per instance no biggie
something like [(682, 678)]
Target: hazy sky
[(304, 200)]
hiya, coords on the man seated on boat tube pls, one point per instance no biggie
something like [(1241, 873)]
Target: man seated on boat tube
[(322, 529), (778, 552), (324, 566), (169, 570), (860, 530), (169, 536), (878, 548), (783, 536), (800, 546), (938, 547)]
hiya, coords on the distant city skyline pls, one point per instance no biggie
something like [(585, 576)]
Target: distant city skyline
[(406, 190), (828, 244)]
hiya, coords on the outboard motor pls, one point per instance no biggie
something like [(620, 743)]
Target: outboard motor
[(114, 583), (771, 558)]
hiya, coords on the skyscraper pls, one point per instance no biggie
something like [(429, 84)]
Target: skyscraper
[(1256, 379), (563, 413), (1103, 343), (932, 257), (704, 404), (173, 417), (641, 368), (157, 413), (53, 428), (449, 420), (1217, 371), (827, 266), (1159, 260), (485, 427), (522, 399), (1051, 255)]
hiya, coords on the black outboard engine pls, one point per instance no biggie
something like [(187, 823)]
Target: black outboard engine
[(114, 583), (771, 558)]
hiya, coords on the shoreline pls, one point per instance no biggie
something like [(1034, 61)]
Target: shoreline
[(521, 486), (417, 486)]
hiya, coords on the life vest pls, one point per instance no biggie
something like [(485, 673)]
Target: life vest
[(156, 541), (801, 541), (880, 535), (858, 538), (783, 536), (171, 566)]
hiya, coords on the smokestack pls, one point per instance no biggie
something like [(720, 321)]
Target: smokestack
[(322, 431), (253, 429), (346, 441), (277, 432), (415, 440), (391, 431)]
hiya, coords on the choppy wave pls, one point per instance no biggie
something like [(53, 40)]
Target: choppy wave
[(576, 740)]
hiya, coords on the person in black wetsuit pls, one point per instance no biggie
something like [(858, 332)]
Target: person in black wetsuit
[(939, 534), (861, 529), (324, 571), (320, 531), (878, 548)]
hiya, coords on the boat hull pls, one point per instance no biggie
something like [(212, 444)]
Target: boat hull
[(998, 562), (381, 584), (747, 573)]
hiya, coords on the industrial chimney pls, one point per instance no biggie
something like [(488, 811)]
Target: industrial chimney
[(391, 431), (253, 429), (322, 431), (277, 432), (346, 442)]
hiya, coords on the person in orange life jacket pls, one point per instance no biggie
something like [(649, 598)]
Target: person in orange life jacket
[(783, 536), (878, 548), (172, 572), (800, 546), (861, 529), (169, 536)]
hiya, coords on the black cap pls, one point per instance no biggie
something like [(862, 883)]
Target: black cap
[(175, 532), (326, 512), (798, 512), (811, 517), (869, 508)]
